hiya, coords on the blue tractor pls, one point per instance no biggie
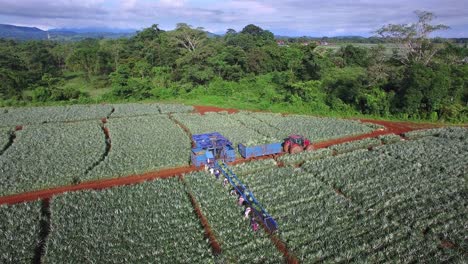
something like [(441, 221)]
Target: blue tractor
[(214, 150), (211, 147)]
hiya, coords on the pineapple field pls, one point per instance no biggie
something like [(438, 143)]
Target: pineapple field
[(115, 184)]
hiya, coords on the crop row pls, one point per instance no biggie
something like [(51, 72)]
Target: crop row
[(238, 242), (128, 110), (318, 224), (4, 138), (250, 167), (142, 144), (304, 156), (48, 114), (450, 132), (39, 115), (262, 128), (419, 184), (315, 128), (355, 145), (151, 222), (20, 227), (50, 155), (390, 138), (222, 123)]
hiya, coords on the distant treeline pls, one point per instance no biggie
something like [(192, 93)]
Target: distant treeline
[(428, 81), (358, 39)]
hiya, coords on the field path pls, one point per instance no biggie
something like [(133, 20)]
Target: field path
[(96, 185)]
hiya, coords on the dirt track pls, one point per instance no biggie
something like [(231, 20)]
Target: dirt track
[(95, 185)]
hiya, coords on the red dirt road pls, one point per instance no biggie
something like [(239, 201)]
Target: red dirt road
[(201, 109), (397, 128), (96, 185)]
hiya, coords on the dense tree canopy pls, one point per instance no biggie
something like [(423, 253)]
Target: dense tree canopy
[(423, 78)]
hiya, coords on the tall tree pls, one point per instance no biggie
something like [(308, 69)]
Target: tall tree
[(412, 39), (189, 38)]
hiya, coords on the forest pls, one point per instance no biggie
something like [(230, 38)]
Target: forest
[(404, 75)]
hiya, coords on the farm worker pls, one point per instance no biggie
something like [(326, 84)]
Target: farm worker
[(241, 200), (211, 171), (217, 174), (206, 167), (234, 192), (254, 224), (247, 212), (225, 182)]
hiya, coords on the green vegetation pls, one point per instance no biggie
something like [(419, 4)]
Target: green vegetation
[(5, 134), (50, 155), (70, 144), (238, 243), (40, 115), (145, 223), (248, 70), (399, 202), (261, 128), (19, 232), (142, 144)]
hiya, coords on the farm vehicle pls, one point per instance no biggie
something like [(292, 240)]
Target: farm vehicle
[(213, 150)]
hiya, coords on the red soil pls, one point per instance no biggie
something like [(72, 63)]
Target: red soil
[(280, 245), (201, 109), (208, 232), (95, 185), (397, 128)]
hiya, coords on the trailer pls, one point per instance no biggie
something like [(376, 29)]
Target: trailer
[(260, 150)]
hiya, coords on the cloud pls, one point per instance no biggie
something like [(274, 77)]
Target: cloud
[(33, 9), (286, 17)]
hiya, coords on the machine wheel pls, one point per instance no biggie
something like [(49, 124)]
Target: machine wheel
[(295, 149), (286, 146), (310, 148)]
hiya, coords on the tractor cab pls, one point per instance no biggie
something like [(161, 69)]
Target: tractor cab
[(296, 143), (296, 139)]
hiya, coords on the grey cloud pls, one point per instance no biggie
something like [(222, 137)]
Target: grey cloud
[(299, 17), (50, 9)]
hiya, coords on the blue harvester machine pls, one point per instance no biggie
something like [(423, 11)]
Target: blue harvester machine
[(214, 150)]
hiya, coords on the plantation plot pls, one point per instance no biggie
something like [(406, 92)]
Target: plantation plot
[(418, 184), (260, 128), (239, 243), (292, 159), (151, 222), (50, 155), (142, 144), (175, 108), (355, 145), (19, 232), (314, 128), (225, 124), (250, 167), (450, 132), (4, 138), (127, 110), (39, 115), (319, 223)]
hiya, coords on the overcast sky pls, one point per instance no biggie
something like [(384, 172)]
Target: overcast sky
[(282, 17)]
